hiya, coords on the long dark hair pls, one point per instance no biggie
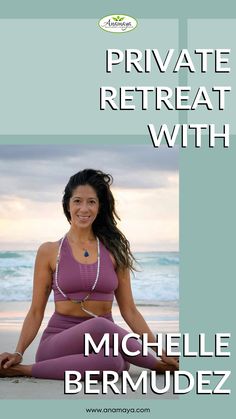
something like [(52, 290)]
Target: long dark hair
[(105, 224)]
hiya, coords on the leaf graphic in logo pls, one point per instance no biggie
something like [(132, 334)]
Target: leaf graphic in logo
[(117, 18)]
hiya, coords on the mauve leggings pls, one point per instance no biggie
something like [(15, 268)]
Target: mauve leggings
[(62, 345)]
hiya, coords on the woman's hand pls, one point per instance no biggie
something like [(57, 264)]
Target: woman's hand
[(8, 360), (41, 291), (171, 360)]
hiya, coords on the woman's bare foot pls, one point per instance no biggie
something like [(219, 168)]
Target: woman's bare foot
[(16, 371), (162, 367)]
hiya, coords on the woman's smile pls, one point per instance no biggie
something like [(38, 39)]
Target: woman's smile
[(84, 218)]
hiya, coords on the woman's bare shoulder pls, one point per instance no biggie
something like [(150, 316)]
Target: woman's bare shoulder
[(48, 248), (47, 254)]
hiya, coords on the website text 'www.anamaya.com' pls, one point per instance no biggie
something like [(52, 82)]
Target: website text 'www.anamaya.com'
[(118, 410)]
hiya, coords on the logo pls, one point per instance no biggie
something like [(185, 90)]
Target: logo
[(118, 23)]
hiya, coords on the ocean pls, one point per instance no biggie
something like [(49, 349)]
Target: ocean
[(157, 278)]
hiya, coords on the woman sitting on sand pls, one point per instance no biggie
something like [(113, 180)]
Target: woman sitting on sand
[(85, 269)]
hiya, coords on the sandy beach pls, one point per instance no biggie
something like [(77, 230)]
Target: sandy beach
[(162, 318)]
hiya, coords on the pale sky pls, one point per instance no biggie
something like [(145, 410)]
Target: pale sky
[(146, 190)]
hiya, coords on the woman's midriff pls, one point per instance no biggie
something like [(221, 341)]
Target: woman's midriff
[(68, 308)]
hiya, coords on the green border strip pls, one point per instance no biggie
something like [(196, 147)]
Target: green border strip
[(183, 75), (74, 139), (96, 139), (71, 9)]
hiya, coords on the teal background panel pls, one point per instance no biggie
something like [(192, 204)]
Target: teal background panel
[(207, 229), (50, 78)]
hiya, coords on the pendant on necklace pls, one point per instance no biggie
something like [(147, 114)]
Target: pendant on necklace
[(86, 253)]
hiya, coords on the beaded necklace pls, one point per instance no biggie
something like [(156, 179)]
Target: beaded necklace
[(94, 284)]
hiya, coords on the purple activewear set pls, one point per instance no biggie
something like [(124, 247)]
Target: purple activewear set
[(61, 346)]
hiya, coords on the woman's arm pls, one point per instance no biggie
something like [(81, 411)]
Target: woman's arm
[(41, 291), (128, 308), (133, 317)]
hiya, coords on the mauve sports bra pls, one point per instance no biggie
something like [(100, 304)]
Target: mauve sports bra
[(76, 279)]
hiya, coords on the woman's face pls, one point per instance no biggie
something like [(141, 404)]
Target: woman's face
[(83, 206)]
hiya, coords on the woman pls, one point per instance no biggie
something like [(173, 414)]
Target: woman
[(85, 269)]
